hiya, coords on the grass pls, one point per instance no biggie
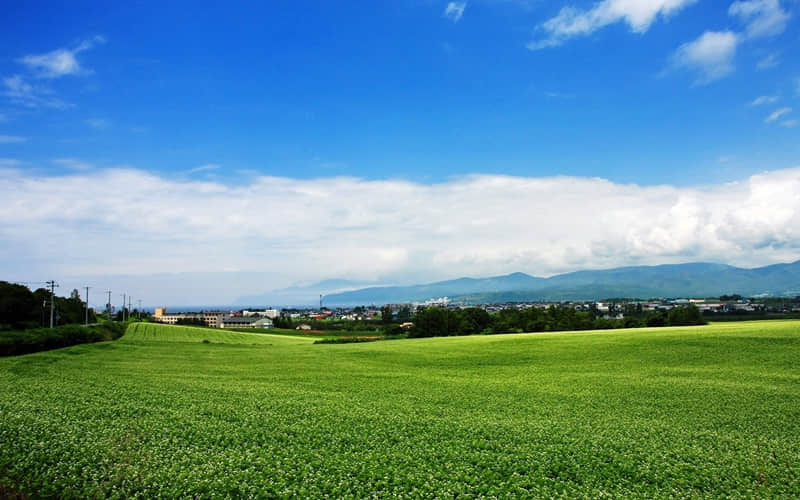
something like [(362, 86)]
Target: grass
[(674, 412)]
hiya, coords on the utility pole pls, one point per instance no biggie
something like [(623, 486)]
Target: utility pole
[(139, 311), (320, 302), (108, 306), (86, 319), (129, 307), (53, 286), (123, 306)]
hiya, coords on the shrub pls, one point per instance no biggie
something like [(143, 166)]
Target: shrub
[(16, 342)]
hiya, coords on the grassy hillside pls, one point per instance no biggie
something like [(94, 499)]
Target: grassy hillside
[(696, 411), (154, 332)]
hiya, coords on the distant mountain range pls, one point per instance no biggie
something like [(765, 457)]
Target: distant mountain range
[(675, 280), (301, 295)]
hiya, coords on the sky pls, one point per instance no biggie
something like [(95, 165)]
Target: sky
[(192, 153)]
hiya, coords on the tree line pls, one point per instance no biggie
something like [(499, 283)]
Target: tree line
[(441, 322), (21, 308)]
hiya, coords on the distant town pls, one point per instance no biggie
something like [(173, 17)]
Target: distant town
[(731, 307)]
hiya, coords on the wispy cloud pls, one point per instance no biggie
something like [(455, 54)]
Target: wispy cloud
[(767, 62), (11, 139), (777, 114), (454, 11), (710, 55), (98, 123), (22, 93), (789, 123), (761, 17), (764, 99), (572, 22), (297, 230), (208, 167), (73, 164), (60, 62)]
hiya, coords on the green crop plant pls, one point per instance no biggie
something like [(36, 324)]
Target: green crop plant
[(710, 411)]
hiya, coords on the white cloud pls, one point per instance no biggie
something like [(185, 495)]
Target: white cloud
[(454, 11), (9, 163), (764, 99), (768, 61), (789, 123), (762, 17), (777, 114), (23, 93), (73, 164), (710, 55), (98, 123), (288, 230), (11, 139), (208, 167), (572, 22), (60, 62)]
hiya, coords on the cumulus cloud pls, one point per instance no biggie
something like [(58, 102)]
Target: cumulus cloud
[(777, 114), (572, 22), (290, 230), (761, 17), (454, 11), (60, 62), (710, 55)]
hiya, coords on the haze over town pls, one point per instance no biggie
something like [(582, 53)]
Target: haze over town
[(250, 149)]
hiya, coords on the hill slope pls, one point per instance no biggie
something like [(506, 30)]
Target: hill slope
[(707, 412)]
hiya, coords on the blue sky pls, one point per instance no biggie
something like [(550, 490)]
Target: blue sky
[(400, 98)]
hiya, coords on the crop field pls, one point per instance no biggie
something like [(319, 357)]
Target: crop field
[(709, 411)]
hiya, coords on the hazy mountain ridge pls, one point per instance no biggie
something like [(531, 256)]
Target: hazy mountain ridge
[(698, 279)]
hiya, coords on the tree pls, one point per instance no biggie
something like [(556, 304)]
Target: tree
[(387, 316), (404, 314), (430, 322), (18, 306)]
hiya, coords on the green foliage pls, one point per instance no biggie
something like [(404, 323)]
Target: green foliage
[(439, 322), (18, 342), (191, 322), (387, 316), (20, 308), (710, 412)]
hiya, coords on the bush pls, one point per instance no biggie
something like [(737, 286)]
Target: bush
[(13, 343)]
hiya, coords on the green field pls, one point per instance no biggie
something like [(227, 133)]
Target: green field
[(708, 411)]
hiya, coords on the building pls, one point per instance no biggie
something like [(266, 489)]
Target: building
[(228, 321), (267, 313), (210, 318)]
